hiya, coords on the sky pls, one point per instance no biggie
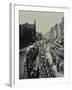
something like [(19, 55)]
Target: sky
[(44, 20)]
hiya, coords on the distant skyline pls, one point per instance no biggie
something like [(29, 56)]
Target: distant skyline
[(44, 20)]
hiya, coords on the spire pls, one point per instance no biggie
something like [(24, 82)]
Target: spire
[(34, 22), (35, 25)]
